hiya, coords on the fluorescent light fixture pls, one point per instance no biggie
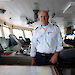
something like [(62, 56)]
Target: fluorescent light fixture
[(70, 7)]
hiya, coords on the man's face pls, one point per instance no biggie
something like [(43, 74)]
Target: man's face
[(44, 17)]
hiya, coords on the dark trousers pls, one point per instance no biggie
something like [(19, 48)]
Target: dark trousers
[(43, 59)]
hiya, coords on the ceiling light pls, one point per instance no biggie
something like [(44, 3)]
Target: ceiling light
[(5, 0), (70, 8)]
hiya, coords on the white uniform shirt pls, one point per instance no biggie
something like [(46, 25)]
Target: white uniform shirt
[(46, 39)]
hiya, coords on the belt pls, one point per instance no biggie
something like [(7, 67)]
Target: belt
[(44, 54)]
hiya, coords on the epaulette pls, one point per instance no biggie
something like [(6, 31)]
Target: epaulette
[(57, 26), (36, 28)]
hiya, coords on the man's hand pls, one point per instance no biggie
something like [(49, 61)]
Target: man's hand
[(54, 58), (33, 61)]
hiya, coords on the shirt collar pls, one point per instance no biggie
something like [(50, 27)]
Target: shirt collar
[(49, 25)]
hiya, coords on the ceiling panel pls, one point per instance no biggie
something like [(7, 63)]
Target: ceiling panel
[(17, 8)]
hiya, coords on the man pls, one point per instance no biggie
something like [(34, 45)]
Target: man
[(46, 42)]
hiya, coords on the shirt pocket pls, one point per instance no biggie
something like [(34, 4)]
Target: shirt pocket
[(51, 39), (51, 35)]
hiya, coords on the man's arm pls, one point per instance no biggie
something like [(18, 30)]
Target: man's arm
[(54, 58), (33, 52), (33, 61), (33, 48)]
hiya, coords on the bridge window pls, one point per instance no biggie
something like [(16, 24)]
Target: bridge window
[(28, 34), (0, 32), (6, 32), (18, 33)]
